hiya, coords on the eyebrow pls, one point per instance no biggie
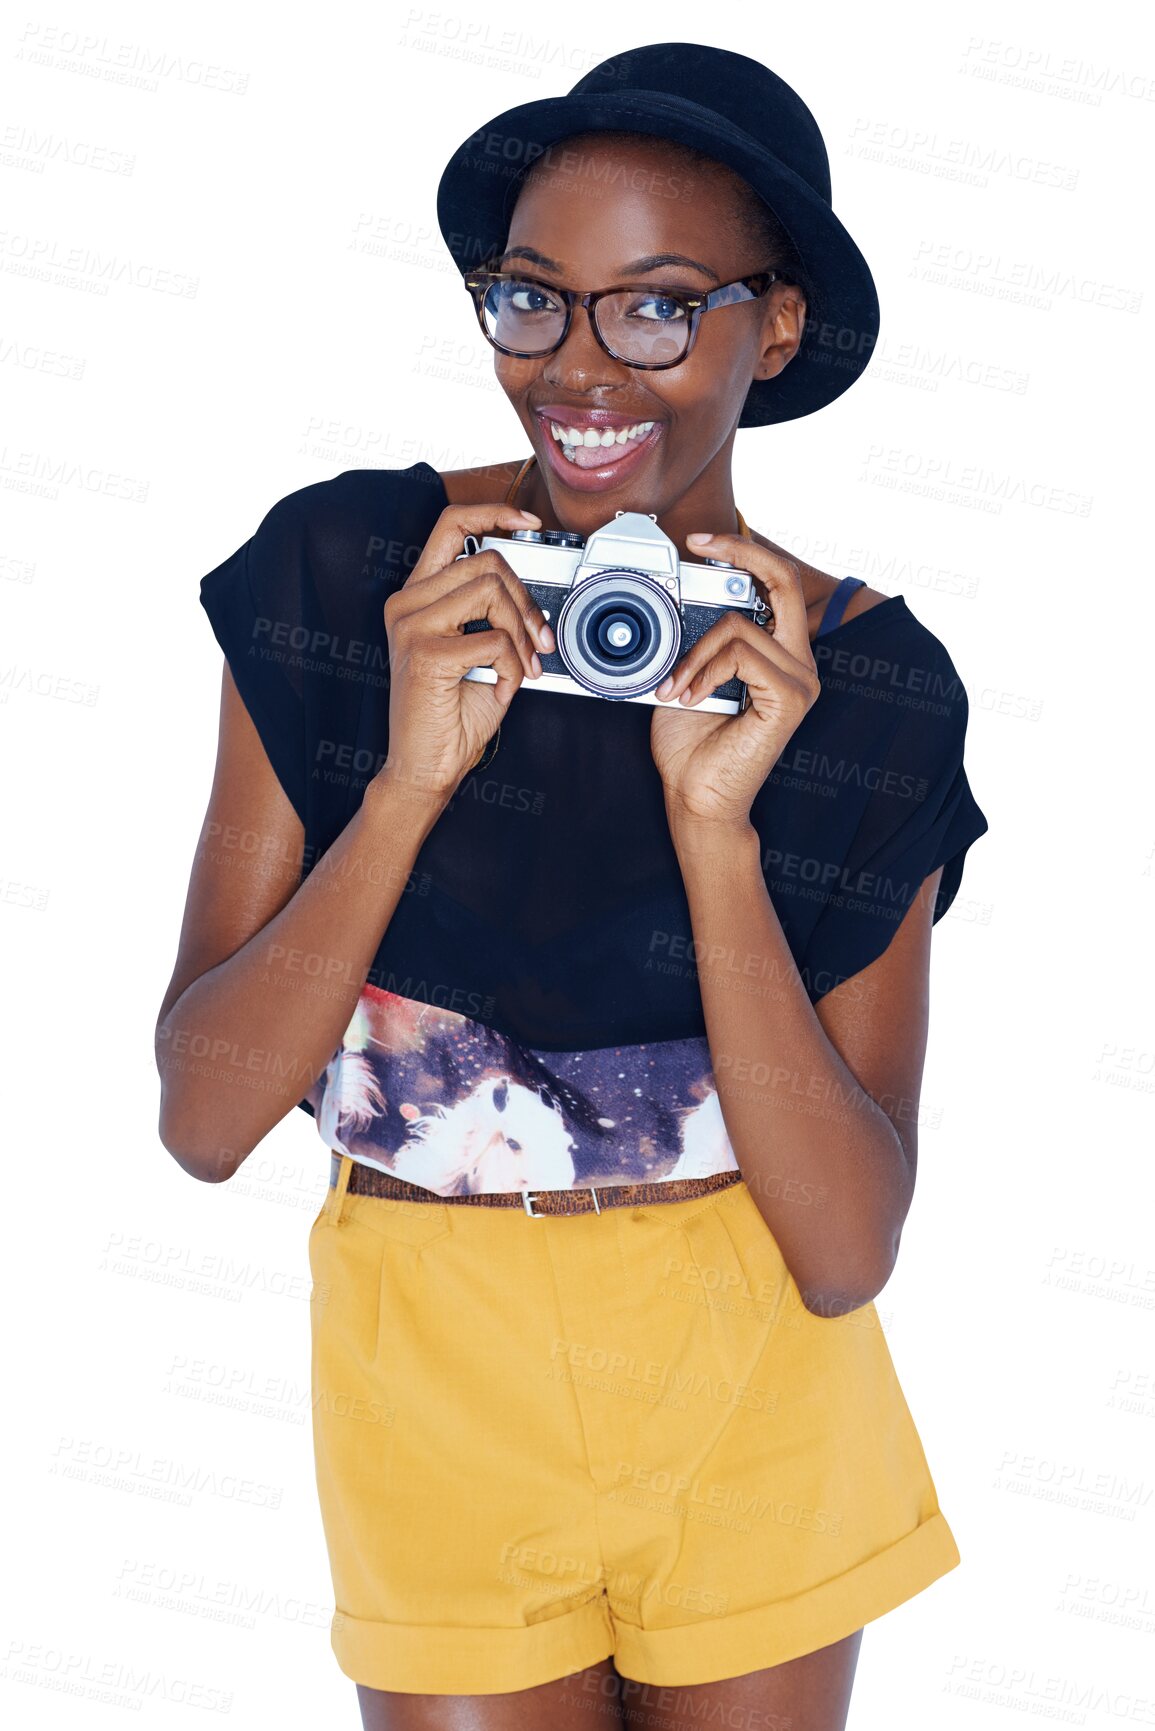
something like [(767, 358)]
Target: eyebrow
[(651, 261)]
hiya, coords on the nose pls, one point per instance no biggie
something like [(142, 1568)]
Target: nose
[(581, 362)]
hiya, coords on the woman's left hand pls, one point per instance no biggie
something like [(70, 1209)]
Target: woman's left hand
[(713, 765)]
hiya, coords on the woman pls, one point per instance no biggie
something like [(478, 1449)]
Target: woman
[(596, 1003)]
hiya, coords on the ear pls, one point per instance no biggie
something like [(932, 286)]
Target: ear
[(783, 326)]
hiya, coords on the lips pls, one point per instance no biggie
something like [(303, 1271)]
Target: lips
[(567, 415), (594, 467)]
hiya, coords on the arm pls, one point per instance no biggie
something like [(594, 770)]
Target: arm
[(800, 1086), (268, 974)]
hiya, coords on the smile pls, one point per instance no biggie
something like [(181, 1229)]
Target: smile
[(570, 438), (597, 456)]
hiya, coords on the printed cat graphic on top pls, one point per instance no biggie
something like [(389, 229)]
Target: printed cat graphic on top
[(423, 1093)]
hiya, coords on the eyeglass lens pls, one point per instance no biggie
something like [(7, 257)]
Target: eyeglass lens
[(638, 324)]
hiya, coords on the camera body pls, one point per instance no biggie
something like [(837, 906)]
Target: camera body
[(623, 608)]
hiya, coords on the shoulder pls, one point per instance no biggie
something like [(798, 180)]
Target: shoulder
[(818, 586), (355, 492), (331, 547), (860, 602), (895, 675), (480, 484), (360, 522), (824, 586)]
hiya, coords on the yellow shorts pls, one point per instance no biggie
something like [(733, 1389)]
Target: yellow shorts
[(544, 1440)]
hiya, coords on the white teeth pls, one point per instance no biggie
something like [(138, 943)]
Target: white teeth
[(592, 436)]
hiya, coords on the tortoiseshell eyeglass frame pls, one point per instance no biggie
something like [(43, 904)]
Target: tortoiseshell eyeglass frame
[(744, 288)]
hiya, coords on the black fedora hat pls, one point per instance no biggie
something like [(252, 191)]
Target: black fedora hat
[(739, 113)]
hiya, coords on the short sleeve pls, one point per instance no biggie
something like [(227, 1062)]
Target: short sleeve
[(254, 602), (921, 814)]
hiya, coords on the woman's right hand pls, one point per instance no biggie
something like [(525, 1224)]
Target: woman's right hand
[(440, 722)]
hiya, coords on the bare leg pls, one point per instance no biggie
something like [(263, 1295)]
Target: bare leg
[(584, 1701), (807, 1694)]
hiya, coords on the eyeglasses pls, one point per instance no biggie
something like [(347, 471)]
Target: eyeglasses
[(643, 327)]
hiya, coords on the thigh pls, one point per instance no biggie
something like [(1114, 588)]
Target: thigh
[(811, 1693), (585, 1701)]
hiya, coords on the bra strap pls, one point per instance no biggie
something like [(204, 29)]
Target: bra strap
[(836, 606)]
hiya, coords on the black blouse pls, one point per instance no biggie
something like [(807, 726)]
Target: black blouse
[(547, 904)]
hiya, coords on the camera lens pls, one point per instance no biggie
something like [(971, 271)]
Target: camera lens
[(619, 633)]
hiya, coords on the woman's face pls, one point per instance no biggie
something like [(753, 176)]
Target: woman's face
[(597, 212)]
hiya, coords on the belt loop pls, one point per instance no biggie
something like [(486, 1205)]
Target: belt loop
[(341, 1165)]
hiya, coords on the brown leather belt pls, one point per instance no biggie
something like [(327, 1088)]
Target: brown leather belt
[(367, 1181)]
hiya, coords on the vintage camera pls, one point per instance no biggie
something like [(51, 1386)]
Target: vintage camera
[(624, 610)]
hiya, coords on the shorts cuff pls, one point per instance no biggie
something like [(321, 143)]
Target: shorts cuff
[(716, 1648), (438, 1660)]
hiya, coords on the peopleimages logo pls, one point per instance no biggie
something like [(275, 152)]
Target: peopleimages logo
[(499, 48), (1020, 281), (891, 465), (494, 152), (849, 772), (864, 891), (1065, 76), (957, 159)]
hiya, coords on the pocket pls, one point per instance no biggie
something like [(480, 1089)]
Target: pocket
[(740, 1264), (360, 1248), (757, 1252), (408, 1295), (678, 1213), (716, 1280), (390, 1217), (401, 1222), (345, 1260)]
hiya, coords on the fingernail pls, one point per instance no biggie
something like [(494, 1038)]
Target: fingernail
[(546, 639), (529, 516), (664, 688), (699, 537), (535, 663)]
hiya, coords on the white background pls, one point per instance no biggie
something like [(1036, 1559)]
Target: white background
[(990, 161)]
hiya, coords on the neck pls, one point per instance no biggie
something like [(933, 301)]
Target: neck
[(531, 492)]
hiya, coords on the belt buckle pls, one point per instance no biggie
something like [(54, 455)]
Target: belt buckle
[(529, 1196)]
